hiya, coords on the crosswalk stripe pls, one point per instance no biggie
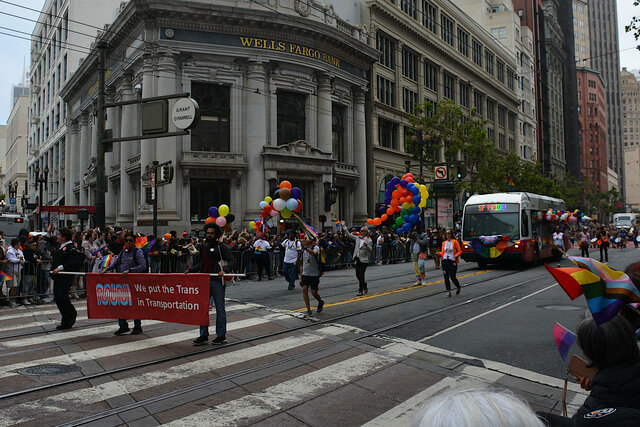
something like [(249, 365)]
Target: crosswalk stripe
[(405, 413), (275, 398), (35, 409), (114, 350), (74, 333), (31, 313)]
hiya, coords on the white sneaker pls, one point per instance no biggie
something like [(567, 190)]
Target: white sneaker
[(26, 302)]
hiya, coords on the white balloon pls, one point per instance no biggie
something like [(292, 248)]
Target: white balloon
[(279, 204), (263, 204)]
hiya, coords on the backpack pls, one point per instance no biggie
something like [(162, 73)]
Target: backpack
[(80, 258)]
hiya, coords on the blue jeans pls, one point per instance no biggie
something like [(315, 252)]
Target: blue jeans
[(216, 289), (290, 273)]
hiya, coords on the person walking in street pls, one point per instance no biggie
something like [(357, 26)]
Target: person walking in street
[(584, 243), (65, 258), (418, 249), (261, 247), (450, 255), (310, 277), (292, 250), (361, 254), (15, 259), (214, 254), (130, 260), (603, 243)]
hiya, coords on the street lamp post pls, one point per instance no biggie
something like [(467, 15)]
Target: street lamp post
[(41, 180)]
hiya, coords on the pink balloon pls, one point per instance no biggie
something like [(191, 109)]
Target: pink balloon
[(273, 212), (221, 221)]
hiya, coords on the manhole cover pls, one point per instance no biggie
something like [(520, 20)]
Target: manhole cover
[(561, 307), (48, 370)]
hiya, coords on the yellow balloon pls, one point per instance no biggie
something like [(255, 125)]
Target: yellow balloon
[(405, 205), (223, 210), (426, 195), (252, 224), (285, 213), (268, 199), (422, 188)]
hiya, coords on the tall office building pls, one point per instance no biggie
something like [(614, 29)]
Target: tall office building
[(581, 32), (603, 28), (631, 136)]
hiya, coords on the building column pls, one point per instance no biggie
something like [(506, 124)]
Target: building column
[(169, 194), (256, 131), (360, 154), (84, 156), (125, 214), (71, 167), (110, 160), (147, 146), (325, 143)]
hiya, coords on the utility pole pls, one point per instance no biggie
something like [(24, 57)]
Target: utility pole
[(100, 125), (154, 196)]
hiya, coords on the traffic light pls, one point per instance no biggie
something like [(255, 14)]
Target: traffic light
[(166, 173), (461, 172)]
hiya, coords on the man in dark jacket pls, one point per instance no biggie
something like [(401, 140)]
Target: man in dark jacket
[(130, 260), (64, 259), (213, 254)]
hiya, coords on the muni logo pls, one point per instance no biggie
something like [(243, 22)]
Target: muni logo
[(113, 294)]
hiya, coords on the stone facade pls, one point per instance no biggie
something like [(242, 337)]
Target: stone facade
[(281, 90), (15, 170)]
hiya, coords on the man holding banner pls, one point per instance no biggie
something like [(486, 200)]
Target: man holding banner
[(215, 256), (130, 260)]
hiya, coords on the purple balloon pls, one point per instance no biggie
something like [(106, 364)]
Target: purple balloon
[(213, 211), (296, 193), (403, 183), (395, 180), (383, 209)]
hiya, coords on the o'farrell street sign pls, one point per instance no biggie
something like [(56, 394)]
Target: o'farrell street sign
[(185, 113)]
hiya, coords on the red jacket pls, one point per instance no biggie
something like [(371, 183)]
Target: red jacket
[(456, 250)]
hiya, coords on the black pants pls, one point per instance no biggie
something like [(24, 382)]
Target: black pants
[(449, 269), (361, 268), (584, 250), (604, 248), (61, 288), (263, 263)]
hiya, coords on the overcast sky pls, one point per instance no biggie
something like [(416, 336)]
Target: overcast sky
[(14, 52)]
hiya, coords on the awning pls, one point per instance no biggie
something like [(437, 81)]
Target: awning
[(57, 201)]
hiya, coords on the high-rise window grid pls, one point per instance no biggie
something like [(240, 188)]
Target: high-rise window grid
[(410, 64), (386, 46), (446, 29), (431, 76), (449, 89), (386, 91), (410, 99), (477, 52), (410, 7), (463, 41), (500, 70), (430, 16), (489, 58), (465, 91)]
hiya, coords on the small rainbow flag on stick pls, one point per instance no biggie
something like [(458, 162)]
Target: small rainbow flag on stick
[(106, 261), (5, 277), (564, 339), (142, 242), (306, 227), (99, 249)]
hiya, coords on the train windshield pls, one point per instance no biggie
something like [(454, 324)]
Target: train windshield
[(491, 219)]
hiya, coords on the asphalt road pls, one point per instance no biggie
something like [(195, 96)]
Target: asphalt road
[(512, 325)]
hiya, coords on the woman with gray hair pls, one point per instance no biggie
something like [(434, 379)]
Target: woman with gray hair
[(476, 407)]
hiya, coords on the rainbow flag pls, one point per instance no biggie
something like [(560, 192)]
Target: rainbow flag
[(306, 227), (5, 277), (94, 253), (142, 243), (564, 339), (106, 261), (489, 246), (605, 289)]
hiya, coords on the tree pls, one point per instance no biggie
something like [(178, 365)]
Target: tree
[(634, 25)]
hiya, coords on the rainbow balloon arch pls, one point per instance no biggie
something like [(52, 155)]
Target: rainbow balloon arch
[(406, 198)]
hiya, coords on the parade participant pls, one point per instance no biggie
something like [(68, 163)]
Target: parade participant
[(310, 277), (361, 254), (292, 250), (418, 256), (15, 259), (584, 243), (435, 243), (450, 255), (65, 258), (213, 254), (261, 246), (130, 260), (603, 243)]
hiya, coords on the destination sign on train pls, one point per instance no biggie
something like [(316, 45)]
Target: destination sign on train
[(492, 208)]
